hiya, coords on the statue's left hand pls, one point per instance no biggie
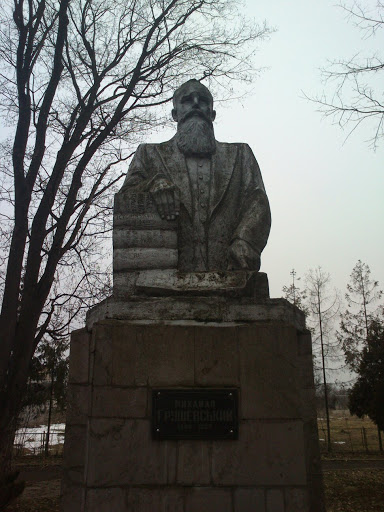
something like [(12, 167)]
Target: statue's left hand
[(241, 256), (166, 198)]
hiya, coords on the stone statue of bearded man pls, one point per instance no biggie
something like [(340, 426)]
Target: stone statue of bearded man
[(215, 189)]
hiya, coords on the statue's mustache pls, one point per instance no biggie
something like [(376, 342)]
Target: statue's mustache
[(195, 113)]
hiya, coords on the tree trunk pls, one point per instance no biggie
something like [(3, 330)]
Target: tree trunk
[(46, 448), (7, 435), (380, 439), (13, 389)]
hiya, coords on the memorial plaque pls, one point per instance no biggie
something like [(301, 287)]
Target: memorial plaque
[(195, 414)]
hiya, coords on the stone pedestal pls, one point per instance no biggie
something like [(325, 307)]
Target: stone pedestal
[(112, 463)]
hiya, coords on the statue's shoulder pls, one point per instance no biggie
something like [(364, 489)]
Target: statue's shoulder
[(234, 147), (152, 146)]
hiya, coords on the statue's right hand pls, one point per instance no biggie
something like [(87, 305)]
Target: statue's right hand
[(166, 198)]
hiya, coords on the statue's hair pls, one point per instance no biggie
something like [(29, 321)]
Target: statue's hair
[(183, 86)]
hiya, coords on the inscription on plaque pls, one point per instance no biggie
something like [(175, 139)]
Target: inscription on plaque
[(195, 414)]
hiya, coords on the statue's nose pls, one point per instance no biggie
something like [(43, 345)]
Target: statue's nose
[(196, 102)]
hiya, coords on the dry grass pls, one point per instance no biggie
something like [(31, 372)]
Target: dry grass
[(38, 497), (347, 433), (354, 491)]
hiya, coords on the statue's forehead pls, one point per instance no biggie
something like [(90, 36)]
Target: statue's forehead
[(197, 88)]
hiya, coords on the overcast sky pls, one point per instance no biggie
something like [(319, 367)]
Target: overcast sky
[(326, 192)]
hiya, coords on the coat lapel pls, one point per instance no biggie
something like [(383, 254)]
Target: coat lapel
[(174, 167), (223, 163)]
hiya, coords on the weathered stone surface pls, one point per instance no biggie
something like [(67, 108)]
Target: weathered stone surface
[(78, 404), (106, 500), (144, 258), (71, 497), (165, 356), (124, 284), (121, 453), (268, 372), (308, 403), (296, 500), (216, 356), (313, 462), (276, 450), (316, 492), (115, 354), (172, 282), (75, 476), (305, 372), (150, 221), (193, 464), (206, 499), (150, 238), (135, 202), (275, 500), (154, 500), (75, 443), (116, 402), (79, 357), (249, 500), (304, 343), (205, 309), (270, 453)]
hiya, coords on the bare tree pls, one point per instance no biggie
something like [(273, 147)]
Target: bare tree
[(356, 95), (323, 305), (79, 83)]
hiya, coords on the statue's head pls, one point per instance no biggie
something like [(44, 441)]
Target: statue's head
[(194, 114), (192, 98)]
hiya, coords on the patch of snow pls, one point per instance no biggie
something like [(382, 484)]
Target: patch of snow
[(33, 438)]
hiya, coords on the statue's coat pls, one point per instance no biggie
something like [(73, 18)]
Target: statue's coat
[(238, 207)]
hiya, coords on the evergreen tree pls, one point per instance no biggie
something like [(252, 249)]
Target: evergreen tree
[(367, 394), (362, 295)]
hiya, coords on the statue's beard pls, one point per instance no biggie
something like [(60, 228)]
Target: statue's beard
[(195, 135)]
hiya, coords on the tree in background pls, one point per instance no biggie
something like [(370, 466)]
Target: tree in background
[(47, 381), (294, 294), (361, 297), (322, 305), (357, 82), (367, 394), (356, 323), (52, 361), (79, 84)]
